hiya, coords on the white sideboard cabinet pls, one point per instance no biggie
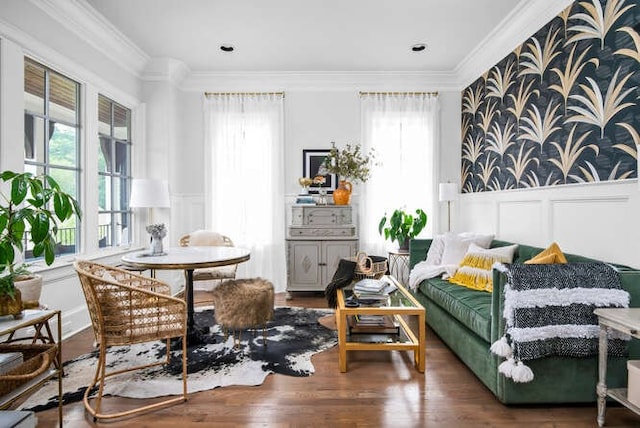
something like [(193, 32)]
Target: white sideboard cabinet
[(318, 236)]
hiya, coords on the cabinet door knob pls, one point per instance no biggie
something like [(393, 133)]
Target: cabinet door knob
[(322, 264)]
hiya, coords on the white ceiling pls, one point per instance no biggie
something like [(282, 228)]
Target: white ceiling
[(308, 35)]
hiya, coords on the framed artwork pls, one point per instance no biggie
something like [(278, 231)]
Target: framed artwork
[(311, 161)]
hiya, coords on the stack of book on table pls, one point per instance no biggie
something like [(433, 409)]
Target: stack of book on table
[(373, 292), (373, 328)]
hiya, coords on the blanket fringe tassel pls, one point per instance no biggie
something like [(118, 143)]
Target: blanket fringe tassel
[(518, 372), (506, 367), (521, 373), (502, 348)]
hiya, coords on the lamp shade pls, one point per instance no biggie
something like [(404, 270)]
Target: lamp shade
[(448, 192), (149, 193)]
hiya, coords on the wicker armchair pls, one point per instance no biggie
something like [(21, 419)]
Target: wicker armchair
[(205, 238), (126, 309)]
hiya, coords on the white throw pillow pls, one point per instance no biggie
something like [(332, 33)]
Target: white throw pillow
[(434, 255), (455, 249), (507, 252), (479, 239), (456, 246)]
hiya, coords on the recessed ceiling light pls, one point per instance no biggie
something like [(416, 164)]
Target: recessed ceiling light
[(226, 48), (418, 47)]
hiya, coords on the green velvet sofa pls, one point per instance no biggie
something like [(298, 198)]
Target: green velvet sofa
[(469, 321)]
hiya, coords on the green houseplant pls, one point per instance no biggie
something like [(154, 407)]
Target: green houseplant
[(402, 226), (36, 201)]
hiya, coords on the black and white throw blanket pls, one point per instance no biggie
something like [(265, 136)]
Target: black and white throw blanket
[(549, 311)]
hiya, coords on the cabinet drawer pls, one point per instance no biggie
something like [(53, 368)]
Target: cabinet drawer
[(321, 215), (319, 232)]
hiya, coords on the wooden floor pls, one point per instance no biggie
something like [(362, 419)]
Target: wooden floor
[(380, 389)]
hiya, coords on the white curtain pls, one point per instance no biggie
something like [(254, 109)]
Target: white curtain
[(403, 130), (245, 183)]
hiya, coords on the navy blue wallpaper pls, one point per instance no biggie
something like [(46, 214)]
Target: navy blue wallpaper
[(562, 108)]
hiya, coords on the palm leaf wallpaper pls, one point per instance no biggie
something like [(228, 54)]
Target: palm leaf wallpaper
[(563, 107)]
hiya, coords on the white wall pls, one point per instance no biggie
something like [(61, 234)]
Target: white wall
[(313, 119)]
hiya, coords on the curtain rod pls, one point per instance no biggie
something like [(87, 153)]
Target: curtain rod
[(244, 93), (398, 93)]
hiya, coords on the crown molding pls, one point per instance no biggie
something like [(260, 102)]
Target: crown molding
[(88, 24), (319, 81), (525, 20), (166, 70)]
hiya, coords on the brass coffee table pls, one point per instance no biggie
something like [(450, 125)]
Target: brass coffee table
[(400, 306)]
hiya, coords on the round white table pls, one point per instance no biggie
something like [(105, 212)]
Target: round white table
[(188, 259)]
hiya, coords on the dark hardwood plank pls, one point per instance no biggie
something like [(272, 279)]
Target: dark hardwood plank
[(380, 389)]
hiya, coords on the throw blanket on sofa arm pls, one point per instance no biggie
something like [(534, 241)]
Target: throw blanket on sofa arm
[(548, 311)]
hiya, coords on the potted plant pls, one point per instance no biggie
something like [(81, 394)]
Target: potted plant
[(349, 163), (38, 202), (402, 227)]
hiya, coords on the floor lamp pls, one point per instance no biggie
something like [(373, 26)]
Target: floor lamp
[(448, 192), (149, 193)]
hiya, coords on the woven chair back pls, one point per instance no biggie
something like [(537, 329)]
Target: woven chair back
[(127, 308), (205, 238)]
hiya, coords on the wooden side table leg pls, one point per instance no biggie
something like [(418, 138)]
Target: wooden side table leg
[(58, 364), (601, 389), (341, 325), (422, 337)]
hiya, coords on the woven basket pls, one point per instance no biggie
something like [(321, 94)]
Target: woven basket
[(37, 359), (369, 266)]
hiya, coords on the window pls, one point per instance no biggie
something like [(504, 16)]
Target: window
[(402, 130), (52, 138), (243, 134), (114, 173)]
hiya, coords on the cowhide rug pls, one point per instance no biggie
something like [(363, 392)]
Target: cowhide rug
[(293, 337)]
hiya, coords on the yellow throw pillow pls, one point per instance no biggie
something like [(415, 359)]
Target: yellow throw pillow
[(551, 255), (475, 270)]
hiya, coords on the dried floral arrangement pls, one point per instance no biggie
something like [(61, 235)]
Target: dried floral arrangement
[(350, 163), (157, 230)]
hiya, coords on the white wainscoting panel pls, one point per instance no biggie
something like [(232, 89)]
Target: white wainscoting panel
[(598, 220), (474, 215), (597, 224), (521, 221), (187, 214)]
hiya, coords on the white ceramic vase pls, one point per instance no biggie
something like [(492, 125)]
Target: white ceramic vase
[(30, 289)]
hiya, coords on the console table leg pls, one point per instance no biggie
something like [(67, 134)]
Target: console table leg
[(341, 325), (601, 389)]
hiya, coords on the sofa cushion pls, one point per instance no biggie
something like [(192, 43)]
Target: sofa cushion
[(526, 252), (471, 307), (553, 254), (456, 246), (476, 271)]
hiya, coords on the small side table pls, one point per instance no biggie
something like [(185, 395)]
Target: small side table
[(399, 265), (626, 321), (38, 319)]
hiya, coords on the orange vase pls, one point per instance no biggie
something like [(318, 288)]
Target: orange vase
[(342, 195)]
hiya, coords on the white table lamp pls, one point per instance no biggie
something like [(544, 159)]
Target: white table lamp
[(448, 192), (149, 193)]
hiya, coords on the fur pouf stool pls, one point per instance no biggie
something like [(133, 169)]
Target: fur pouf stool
[(244, 303)]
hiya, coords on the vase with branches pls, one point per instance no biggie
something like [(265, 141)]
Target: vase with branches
[(349, 164)]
